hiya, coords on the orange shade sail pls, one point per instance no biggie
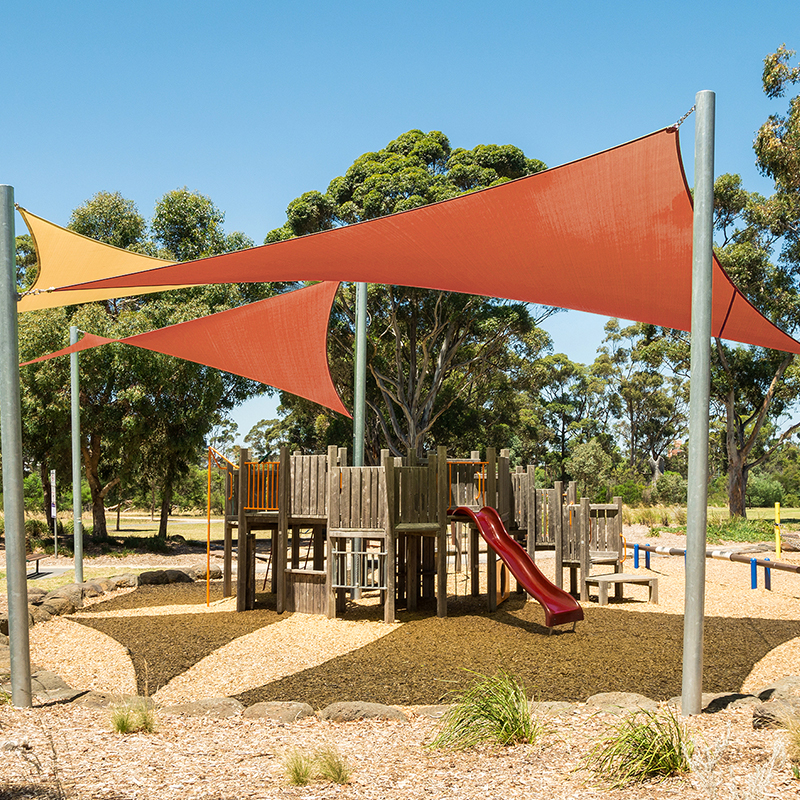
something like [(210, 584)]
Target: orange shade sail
[(609, 234), (280, 341)]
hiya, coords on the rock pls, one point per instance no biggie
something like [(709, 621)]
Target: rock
[(348, 711), (191, 572), (127, 581), (432, 712), (36, 595), (41, 614), (200, 571), (551, 708), (3, 639), (104, 584), (93, 699), (92, 589), (4, 625), (156, 577), (49, 688), (774, 714), (734, 700), (216, 707), (287, 711), (784, 689), (57, 605), (178, 576), (72, 591), (620, 703)]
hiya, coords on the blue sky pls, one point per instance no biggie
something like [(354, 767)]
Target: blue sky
[(253, 103)]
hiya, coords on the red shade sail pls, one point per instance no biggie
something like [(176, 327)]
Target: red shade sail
[(609, 234), (281, 341)]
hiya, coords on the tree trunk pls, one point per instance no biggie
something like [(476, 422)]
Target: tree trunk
[(166, 505), (737, 487)]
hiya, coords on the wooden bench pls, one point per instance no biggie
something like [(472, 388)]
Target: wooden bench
[(618, 579), (36, 558)]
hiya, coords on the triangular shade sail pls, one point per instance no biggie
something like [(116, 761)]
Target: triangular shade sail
[(609, 234), (66, 257), (281, 341)]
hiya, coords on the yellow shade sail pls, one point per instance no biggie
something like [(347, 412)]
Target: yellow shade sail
[(66, 258)]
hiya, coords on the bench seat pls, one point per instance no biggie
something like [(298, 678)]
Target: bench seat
[(619, 579)]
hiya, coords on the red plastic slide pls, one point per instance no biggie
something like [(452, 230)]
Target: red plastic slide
[(559, 606)]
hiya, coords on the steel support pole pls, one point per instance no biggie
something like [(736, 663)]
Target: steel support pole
[(75, 417), (359, 397), (697, 506), (11, 437)]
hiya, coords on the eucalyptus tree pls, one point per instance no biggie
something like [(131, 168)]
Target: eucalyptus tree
[(426, 349)]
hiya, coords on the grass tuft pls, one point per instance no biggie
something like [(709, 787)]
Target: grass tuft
[(332, 766), (493, 710), (643, 745), (133, 717), (299, 768)]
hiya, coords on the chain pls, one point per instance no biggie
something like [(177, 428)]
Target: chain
[(682, 119), (35, 292)]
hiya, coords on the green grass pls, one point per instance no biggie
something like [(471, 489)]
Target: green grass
[(493, 710), (332, 766), (299, 768), (133, 717), (642, 746)]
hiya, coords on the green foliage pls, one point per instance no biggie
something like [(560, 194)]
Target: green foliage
[(33, 492), (630, 491), (739, 529), (493, 710), (642, 746), (763, 491), (590, 466), (332, 766), (299, 768), (136, 716), (326, 764), (671, 488)]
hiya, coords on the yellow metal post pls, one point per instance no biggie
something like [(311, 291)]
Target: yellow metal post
[(777, 530)]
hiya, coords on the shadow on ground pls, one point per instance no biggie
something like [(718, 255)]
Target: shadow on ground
[(427, 659), (163, 646)]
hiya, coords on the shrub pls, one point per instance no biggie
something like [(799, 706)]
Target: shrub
[(739, 529), (630, 492), (671, 488), (643, 745), (493, 710), (763, 491)]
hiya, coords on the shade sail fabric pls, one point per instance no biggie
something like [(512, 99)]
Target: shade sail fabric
[(66, 257), (281, 341), (609, 234)]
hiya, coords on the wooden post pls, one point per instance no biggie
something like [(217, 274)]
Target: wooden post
[(491, 500), (557, 521), (251, 571), (390, 541), (585, 529), (442, 496), (281, 536), (241, 542), (532, 511), (227, 560)]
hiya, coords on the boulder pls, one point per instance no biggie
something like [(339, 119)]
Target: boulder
[(92, 589), (200, 571), (72, 592), (157, 577), (785, 689), (774, 714), (216, 707), (56, 605), (4, 624), (279, 711), (348, 711), (3, 639), (733, 700), (178, 576), (126, 581), (620, 703), (431, 712), (36, 595), (48, 687), (41, 614), (552, 708)]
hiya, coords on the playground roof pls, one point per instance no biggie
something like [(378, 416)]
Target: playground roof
[(609, 234), (281, 341)]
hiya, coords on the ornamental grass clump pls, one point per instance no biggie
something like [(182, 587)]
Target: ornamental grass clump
[(642, 746), (299, 768), (326, 764), (133, 717), (493, 710)]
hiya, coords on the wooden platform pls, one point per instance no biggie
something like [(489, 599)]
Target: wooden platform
[(619, 579)]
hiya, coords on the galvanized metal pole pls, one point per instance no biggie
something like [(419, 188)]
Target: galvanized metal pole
[(359, 399), (697, 508), (11, 437), (75, 417)]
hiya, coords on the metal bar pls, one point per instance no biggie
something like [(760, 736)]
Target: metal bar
[(697, 507), (11, 438), (75, 423), (359, 396), (724, 555)]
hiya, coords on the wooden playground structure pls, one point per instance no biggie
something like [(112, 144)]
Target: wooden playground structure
[(336, 530)]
